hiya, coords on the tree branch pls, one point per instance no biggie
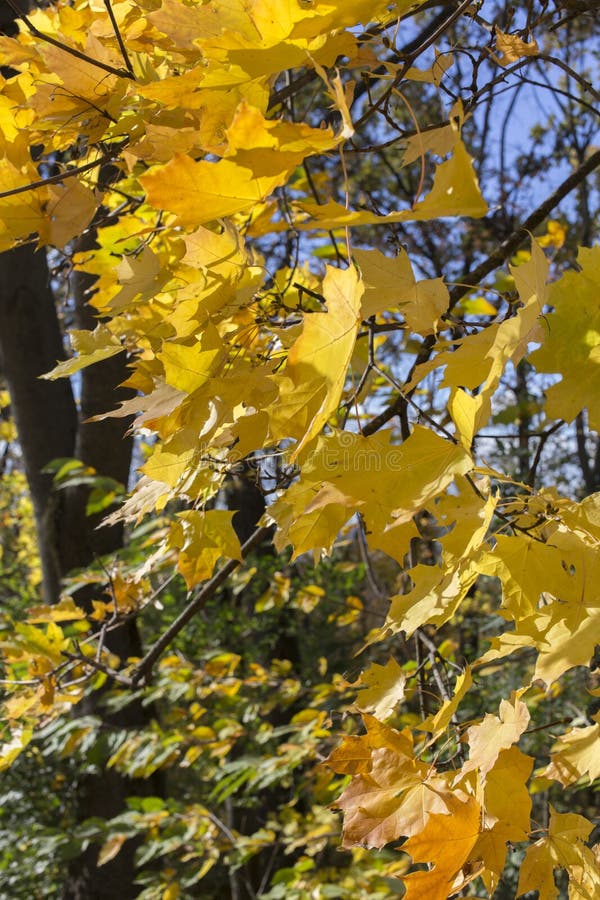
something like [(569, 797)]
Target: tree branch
[(538, 453), (61, 176), (144, 667), (512, 243), (416, 47), (120, 42), (120, 73), (493, 261)]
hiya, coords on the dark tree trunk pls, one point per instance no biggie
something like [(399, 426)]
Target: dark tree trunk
[(44, 411), (51, 424)]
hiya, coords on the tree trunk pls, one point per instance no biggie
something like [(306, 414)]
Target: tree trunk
[(51, 424), (44, 411)]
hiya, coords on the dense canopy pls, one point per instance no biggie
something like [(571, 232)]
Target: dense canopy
[(329, 278)]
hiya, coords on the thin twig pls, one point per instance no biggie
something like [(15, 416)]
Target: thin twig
[(122, 47), (410, 402), (514, 240), (419, 674), (293, 87), (538, 453), (58, 179), (379, 593), (83, 660), (587, 86), (411, 57), (413, 49), (432, 652)]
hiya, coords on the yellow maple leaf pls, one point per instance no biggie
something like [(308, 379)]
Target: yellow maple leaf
[(479, 360), (68, 212), (392, 793), (321, 355), (438, 723), (490, 850), (317, 526), (139, 275), (571, 341), (563, 847), (433, 75), (200, 192), (506, 797), (92, 346), (437, 140), (455, 192), (188, 366), (202, 539), (382, 688), (390, 283), (167, 464), (494, 734), (526, 568), (511, 47), (347, 472), (264, 152), (575, 755), (43, 645), (65, 610), (20, 214)]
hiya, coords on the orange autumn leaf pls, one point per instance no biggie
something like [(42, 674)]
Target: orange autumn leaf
[(445, 844), (393, 793)]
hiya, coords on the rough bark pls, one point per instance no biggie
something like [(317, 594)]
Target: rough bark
[(44, 411)]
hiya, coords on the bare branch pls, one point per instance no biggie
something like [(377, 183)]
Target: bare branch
[(538, 453), (513, 241), (144, 667), (61, 176), (83, 660)]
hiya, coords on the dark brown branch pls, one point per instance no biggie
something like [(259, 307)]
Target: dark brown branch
[(120, 73), (586, 85), (411, 53), (538, 453), (60, 177), (122, 47), (513, 242), (98, 665), (144, 667), (434, 34), (416, 46)]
